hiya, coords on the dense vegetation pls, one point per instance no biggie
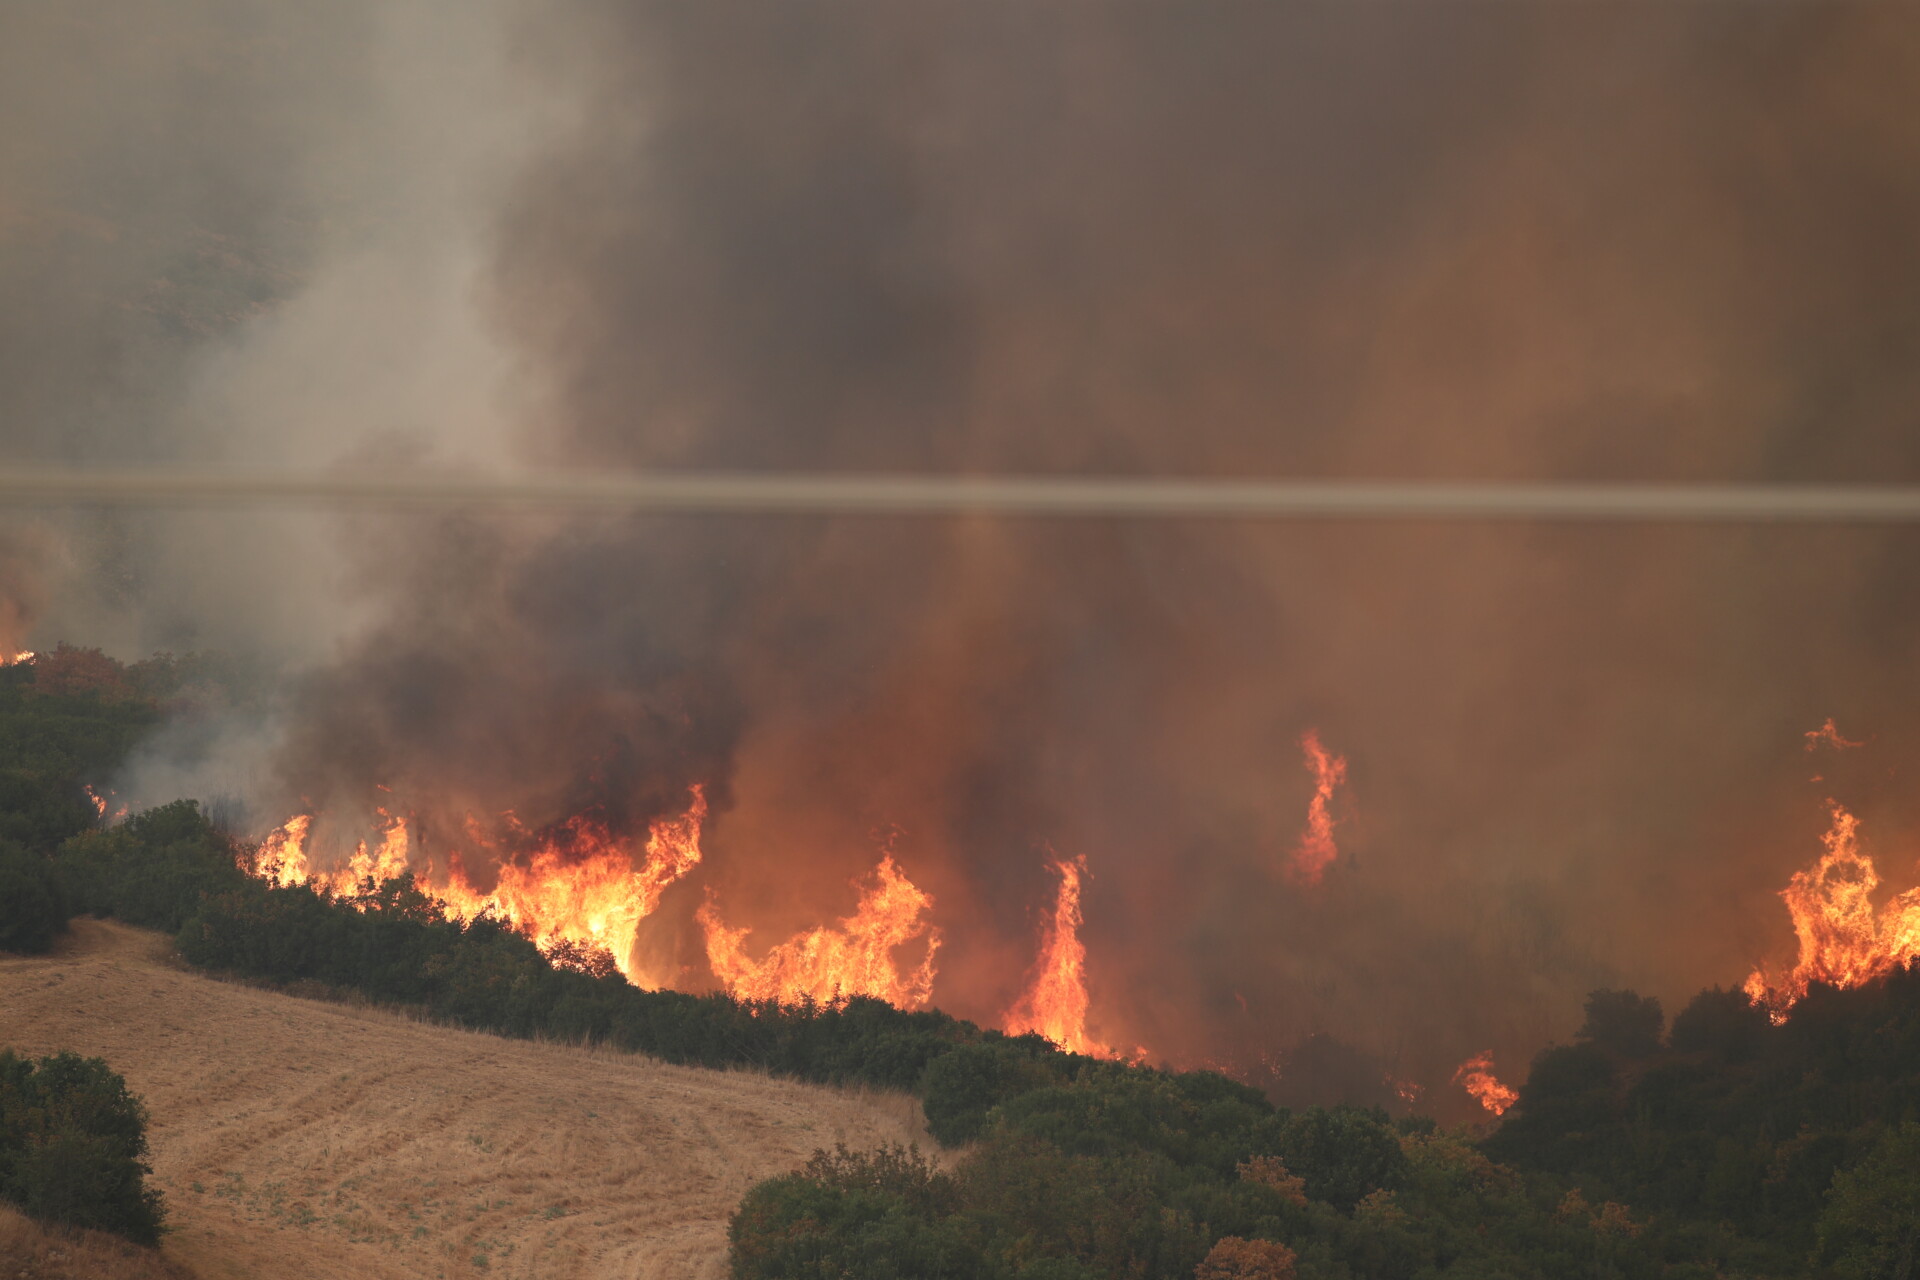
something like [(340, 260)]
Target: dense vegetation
[(1793, 1140), (72, 1146), (1725, 1146)]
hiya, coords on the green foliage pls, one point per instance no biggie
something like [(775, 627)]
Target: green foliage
[(1871, 1227), (960, 1088), (32, 908), (1725, 1025), (876, 1216), (72, 1146), (67, 720), (1731, 1137), (152, 870), (1344, 1154), (1624, 1023)]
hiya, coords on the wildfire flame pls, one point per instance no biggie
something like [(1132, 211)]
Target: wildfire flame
[(578, 886), (99, 803), (1844, 939), (25, 655), (1476, 1076), (1828, 735), (1055, 1001), (1316, 850), (852, 958)]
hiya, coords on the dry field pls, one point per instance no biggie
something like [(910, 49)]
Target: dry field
[(297, 1138)]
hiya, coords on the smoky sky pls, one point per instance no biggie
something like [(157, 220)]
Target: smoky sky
[(1476, 241)]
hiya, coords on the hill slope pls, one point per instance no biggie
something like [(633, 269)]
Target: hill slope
[(297, 1136)]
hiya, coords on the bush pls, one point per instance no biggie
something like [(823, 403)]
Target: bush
[(1725, 1024), (72, 1142), (32, 908), (961, 1087), (153, 870), (1623, 1022), (1344, 1154)]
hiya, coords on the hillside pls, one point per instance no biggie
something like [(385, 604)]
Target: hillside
[(295, 1136)]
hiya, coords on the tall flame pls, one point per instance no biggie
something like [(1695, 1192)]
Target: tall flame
[(1476, 1075), (1316, 850), (1844, 940), (1055, 1001), (580, 885), (853, 958)]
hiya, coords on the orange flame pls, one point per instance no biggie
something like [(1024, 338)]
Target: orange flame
[(1055, 1001), (1476, 1075), (99, 803), (1828, 735), (1844, 940), (852, 958), (25, 655), (1316, 849), (580, 887)]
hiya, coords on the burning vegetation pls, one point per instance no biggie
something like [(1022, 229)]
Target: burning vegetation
[(1055, 1002), (852, 958), (577, 885), (1845, 939), (1476, 1076)]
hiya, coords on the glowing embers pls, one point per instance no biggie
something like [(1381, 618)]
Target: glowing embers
[(1316, 850), (1476, 1076), (1844, 939), (852, 958), (1055, 1001), (578, 888)]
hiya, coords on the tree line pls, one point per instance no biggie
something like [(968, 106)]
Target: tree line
[(1721, 1146)]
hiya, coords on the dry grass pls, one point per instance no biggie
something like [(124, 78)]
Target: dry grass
[(299, 1138), (30, 1251)]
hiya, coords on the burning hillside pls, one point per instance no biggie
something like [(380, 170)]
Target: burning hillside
[(577, 884), (1845, 938)]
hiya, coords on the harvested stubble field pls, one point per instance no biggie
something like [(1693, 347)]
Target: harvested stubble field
[(301, 1138)]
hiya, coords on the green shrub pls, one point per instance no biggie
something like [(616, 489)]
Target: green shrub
[(32, 908), (72, 1146), (153, 870), (1344, 1154), (959, 1088), (853, 1216)]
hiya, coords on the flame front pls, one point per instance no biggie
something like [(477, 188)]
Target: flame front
[(1316, 850), (1476, 1076), (579, 885), (1055, 1001), (1844, 940), (853, 958)]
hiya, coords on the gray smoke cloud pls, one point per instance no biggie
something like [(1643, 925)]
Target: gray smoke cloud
[(1492, 242)]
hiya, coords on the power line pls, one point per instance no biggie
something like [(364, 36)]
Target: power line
[(770, 493)]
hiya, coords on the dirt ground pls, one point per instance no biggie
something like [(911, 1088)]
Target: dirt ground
[(299, 1138)]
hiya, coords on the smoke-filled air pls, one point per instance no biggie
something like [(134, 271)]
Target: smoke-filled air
[(1350, 809)]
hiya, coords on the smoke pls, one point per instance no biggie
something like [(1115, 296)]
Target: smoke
[(1502, 241)]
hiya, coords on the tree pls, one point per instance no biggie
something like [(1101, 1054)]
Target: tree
[(72, 1146), (32, 909), (1871, 1227), (1233, 1258), (1343, 1154), (1726, 1024), (1623, 1022)]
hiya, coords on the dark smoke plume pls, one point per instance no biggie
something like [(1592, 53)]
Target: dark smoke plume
[(1490, 241)]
